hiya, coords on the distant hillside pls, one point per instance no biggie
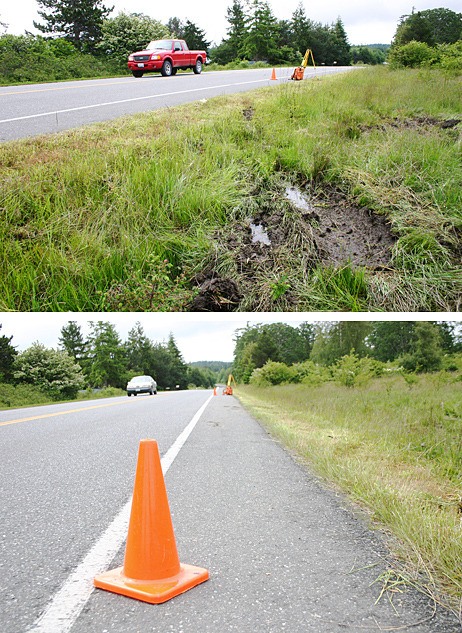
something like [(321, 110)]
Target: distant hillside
[(214, 365), (380, 47)]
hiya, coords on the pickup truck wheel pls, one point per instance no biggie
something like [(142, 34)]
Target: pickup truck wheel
[(137, 73), (167, 69), (197, 67)]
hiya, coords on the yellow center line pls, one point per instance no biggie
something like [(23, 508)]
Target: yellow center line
[(52, 415)]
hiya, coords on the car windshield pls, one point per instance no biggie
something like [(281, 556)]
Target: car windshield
[(160, 45), (140, 379)]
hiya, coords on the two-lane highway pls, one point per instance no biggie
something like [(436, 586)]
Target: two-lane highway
[(47, 108), (284, 553)]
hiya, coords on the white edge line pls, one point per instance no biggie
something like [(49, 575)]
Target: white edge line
[(68, 602), (109, 103)]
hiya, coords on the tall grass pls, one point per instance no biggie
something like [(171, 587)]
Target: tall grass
[(82, 210), (393, 446)]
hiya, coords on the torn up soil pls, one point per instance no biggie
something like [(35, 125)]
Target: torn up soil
[(291, 230), (345, 233)]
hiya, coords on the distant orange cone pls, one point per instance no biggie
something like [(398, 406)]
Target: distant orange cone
[(214, 391), (273, 74), (152, 571)]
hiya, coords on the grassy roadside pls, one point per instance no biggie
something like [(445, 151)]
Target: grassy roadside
[(137, 213), (21, 396), (394, 447)]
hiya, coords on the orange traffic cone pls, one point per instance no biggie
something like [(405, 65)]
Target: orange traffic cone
[(214, 391), (273, 74), (152, 571)]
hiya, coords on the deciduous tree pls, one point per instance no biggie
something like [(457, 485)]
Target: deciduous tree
[(53, 371), (127, 33)]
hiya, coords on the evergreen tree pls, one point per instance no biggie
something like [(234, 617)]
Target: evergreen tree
[(73, 342), (301, 28), (201, 377), (175, 27), (195, 37), (106, 356), (138, 351), (237, 29), (340, 45), (8, 354), (177, 368), (426, 353), (78, 21), (260, 43), (307, 333)]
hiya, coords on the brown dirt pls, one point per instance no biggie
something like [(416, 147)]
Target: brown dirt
[(346, 233), (293, 227), (216, 295)]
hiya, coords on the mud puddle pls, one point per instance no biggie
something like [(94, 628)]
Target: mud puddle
[(291, 230), (344, 233)]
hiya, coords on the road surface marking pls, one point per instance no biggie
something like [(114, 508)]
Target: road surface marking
[(67, 87), (110, 103), (52, 415), (68, 602)]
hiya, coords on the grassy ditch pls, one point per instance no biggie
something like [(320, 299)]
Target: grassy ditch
[(393, 446), (355, 180)]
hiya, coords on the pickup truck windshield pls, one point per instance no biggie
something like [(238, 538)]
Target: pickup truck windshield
[(160, 45)]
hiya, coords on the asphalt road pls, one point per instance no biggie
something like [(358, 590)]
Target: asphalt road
[(284, 553), (30, 110)]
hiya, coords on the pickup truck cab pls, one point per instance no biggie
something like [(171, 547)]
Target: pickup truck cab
[(166, 57)]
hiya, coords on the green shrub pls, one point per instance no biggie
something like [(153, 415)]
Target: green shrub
[(273, 373), (412, 55), (21, 395), (353, 371), (451, 56), (310, 373)]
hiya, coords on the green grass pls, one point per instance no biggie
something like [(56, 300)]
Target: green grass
[(86, 212), (396, 448), (18, 396)]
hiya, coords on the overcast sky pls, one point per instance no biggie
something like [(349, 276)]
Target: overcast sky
[(199, 336), (365, 22)]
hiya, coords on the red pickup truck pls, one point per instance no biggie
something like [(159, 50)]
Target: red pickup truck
[(166, 56)]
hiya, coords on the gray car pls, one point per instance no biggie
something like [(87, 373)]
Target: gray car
[(141, 384)]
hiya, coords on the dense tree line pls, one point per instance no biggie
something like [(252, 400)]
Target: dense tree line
[(255, 34), (428, 38), (99, 360), (413, 346)]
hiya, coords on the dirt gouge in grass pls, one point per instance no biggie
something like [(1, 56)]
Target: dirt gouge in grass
[(152, 571)]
